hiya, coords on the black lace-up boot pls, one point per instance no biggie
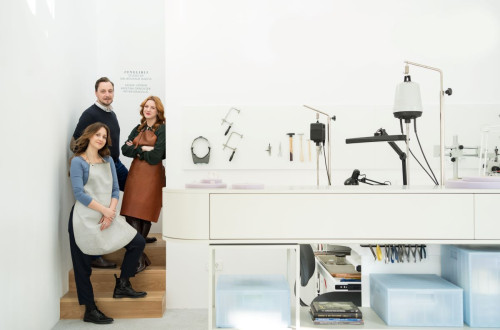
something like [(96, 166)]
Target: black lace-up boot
[(123, 289), (94, 315)]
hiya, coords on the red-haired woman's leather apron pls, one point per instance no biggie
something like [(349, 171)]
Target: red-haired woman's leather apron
[(143, 188)]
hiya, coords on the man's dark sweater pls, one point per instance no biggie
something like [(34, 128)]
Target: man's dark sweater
[(95, 114)]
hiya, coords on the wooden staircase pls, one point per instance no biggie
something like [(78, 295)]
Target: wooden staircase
[(152, 280)]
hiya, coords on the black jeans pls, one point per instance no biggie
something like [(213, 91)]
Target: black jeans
[(121, 173), (83, 270)]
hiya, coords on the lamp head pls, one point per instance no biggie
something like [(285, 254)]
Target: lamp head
[(407, 102)]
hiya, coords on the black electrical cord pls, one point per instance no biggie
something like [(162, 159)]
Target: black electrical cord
[(433, 181), (326, 165), (414, 157), (422, 150)]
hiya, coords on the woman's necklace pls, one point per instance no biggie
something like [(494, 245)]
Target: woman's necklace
[(89, 160)]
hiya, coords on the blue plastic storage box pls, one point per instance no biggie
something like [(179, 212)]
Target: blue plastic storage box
[(250, 301), (476, 269), (412, 300)]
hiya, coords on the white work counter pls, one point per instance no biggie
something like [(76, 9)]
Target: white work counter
[(284, 217), (320, 214)]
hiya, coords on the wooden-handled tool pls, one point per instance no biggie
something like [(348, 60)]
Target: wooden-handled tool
[(309, 148), (301, 149), (291, 144)]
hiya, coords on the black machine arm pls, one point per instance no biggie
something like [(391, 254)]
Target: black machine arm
[(382, 136), (401, 154), (356, 178)]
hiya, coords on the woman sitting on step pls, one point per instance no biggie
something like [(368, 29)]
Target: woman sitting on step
[(93, 228), (143, 190)]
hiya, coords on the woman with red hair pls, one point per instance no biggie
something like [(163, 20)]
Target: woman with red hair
[(142, 198)]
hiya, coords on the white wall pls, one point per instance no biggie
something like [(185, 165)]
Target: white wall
[(131, 52), (52, 53), (279, 53), (44, 44), (343, 57)]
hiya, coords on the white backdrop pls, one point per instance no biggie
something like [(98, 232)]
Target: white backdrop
[(52, 53), (266, 54), (342, 57)]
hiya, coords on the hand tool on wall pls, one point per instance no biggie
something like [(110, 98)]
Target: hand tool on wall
[(301, 149), (225, 119), (280, 154), (291, 144), (269, 149), (226, 145), (195, 148), (309, 148)]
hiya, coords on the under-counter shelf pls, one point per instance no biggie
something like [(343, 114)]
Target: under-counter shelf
[(370, 318)]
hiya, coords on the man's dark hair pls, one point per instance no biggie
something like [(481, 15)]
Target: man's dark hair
[(102, 79)]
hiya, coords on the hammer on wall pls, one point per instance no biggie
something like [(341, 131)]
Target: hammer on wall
[(291, 144)]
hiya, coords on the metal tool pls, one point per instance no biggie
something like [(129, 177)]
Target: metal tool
[(488, 164), (457, 151), (200, 159), (301, 149), (414, 253), (422, 254), (269, 149), (226, 145), (280, 154), (225, 119), (328, 142), (407, 253), (291, 145), (379, 252), (309, 148), (398, 252), (373, 252)]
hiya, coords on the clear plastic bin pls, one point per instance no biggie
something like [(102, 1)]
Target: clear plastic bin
[(476, 269), (416, 300), (252, 301)]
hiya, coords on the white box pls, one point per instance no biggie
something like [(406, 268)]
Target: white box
[(252, 301), (416, 300), (476, 269)]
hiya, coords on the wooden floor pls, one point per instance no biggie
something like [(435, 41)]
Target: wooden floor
[(152, 280)]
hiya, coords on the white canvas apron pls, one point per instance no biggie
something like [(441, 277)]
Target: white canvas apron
[(86, 227)]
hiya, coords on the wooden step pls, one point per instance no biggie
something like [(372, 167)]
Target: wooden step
[(151, 306), (151, 279), (155, 251)]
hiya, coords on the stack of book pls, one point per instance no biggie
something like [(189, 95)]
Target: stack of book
[(335, 312)]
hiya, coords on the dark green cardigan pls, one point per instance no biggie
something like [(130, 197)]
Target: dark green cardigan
[(154, 156)]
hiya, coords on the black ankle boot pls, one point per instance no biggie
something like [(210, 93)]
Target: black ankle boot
[(123, 289), (94, 315), (146, 226), (144, 262)]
